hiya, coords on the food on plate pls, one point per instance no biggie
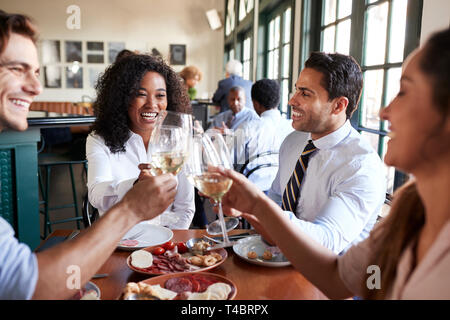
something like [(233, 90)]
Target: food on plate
[(205, 260), (187, 287), (90, 295), (216, 291), (252, 255), (129, 243), (169, 245), (182, 248), (148, 291), (267, 255), (141, 259), (201, 246), (158, 251)]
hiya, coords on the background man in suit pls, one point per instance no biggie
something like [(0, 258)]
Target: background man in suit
[(233, 78)]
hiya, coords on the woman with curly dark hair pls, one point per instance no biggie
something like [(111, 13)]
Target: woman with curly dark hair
[(130, 95)]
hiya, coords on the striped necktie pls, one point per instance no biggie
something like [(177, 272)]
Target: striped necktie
[(292, 192)]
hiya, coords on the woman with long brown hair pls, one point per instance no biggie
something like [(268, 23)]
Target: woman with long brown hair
[(407, 255)]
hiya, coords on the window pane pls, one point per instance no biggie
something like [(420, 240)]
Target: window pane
[(249, 5), (284, 95), (389, 171), (328, 39), (242, 11), (287, 26), (397, 40), (285, 67), (271, 34), (343, 37), (231, 54), (276, 57), (247, 48), (377, 17), (270, 65), (345, 8), (393, 83), (373, 89), (246, 73), (372, 138), (329, 12), (277, 32)]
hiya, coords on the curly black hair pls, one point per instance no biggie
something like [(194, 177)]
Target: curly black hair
[(267, 93), (117, 88)]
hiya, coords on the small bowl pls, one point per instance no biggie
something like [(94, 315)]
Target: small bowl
[(191, 242)]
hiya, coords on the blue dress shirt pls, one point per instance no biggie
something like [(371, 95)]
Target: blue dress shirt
[(18, 266)]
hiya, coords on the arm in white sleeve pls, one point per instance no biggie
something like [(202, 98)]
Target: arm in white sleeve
[(353, 202), (275, 190), (180, 214), (103, 190)]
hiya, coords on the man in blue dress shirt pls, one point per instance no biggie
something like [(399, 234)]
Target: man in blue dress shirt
[(233, 78), (47, 274)]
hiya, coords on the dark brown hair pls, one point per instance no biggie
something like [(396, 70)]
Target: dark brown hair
[(342, 77), (15, 23)]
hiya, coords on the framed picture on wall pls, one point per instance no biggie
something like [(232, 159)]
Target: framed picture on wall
[(74, 51), (74, 77), (177, 54), (113, 49), (94, 74), (50, 51), (52, 76), (95, 53)]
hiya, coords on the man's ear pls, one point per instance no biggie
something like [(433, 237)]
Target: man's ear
[(340, 105)]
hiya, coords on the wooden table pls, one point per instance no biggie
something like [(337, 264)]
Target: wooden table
[(253, 282)]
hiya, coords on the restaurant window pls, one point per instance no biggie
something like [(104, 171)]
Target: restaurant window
[(247, 58), (335, 27), (245, 7), (375, 33), (278, 52), (230, 19)]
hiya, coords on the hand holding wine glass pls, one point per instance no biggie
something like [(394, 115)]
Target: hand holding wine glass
[(210, 150)]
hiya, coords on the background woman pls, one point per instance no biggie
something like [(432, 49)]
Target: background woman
[(191, 76), (410, 250), (130, 96)]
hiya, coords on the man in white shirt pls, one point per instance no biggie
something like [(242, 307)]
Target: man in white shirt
[(271, 132), (43, 275), (343, 186)]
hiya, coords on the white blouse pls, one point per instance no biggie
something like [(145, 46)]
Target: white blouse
[(111, 175)]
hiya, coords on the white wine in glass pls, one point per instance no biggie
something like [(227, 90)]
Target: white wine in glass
[(211, 150), (170, 142)]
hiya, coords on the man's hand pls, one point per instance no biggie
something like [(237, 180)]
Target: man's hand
[(151, 195)]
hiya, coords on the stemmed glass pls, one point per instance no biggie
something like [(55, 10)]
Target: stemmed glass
[(170, 142), (211, 150)]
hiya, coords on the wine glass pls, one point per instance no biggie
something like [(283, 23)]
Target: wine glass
[(211, 150), (170, 142)]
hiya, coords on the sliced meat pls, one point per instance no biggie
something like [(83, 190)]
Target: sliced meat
[(179, 285)]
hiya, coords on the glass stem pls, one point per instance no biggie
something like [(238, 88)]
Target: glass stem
[(222, 224)]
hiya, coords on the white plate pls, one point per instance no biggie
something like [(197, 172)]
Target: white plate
[(254, 243), (153, 235)]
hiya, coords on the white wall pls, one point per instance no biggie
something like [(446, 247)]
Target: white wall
[(141, 24), (436, 16)]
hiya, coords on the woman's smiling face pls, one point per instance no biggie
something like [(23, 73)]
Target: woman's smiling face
[(150, 99)]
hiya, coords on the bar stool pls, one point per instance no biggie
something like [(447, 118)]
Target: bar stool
[(46, 162)]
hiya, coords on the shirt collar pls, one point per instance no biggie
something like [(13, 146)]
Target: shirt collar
[(270, 113), (241, 113), (332, 139)]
